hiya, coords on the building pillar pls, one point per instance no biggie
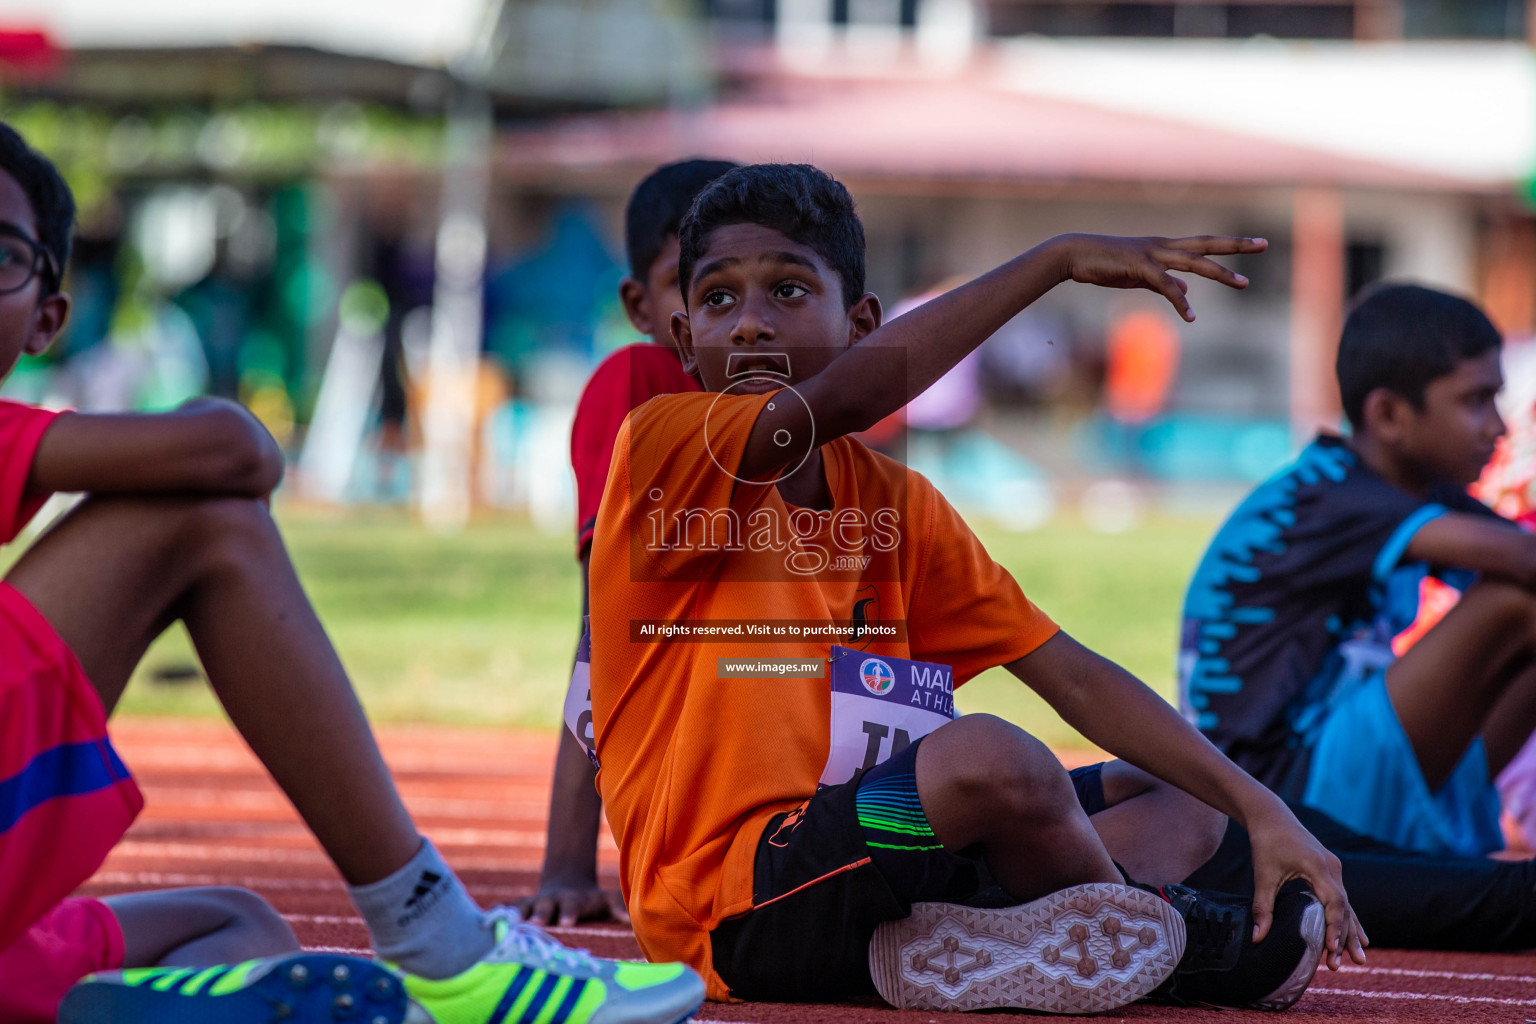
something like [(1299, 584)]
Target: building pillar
[(1507, 283), (1379, 19), (448, 422), (804, 30), (1317, 304)]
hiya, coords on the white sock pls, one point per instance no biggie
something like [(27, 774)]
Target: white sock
[(422, 919)]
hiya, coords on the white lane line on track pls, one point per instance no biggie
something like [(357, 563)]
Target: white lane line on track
[(171, 880), (176, 880), (614, 933), (1409, 972), (1370, 994), (477, 837), (589, 929), (262, 797), (324, 885), (223, 852), (163, 851)]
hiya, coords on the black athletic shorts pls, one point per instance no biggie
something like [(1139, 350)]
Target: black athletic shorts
[(828, 873)]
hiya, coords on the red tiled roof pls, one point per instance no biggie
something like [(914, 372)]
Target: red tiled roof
[(954, 130)]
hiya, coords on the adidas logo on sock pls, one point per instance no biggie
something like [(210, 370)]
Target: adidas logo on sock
[(423, 898), (423, 886)]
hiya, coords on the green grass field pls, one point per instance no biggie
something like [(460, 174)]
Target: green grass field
[(480, 627)]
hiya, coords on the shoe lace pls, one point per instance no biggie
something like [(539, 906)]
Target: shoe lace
[(524, 942), (1209, 932)]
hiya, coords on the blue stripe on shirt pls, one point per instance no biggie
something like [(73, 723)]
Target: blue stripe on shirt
[(70, 769), (1392, 551)]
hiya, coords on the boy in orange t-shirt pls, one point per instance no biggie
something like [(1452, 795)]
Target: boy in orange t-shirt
[(804, 831)]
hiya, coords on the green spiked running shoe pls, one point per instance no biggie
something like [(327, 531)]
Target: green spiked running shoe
[(294, 989), (529, 978)]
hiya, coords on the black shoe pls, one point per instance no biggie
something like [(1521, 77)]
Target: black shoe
[(1222, 966)]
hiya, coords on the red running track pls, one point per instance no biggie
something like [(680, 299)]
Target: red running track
[(214, 818)]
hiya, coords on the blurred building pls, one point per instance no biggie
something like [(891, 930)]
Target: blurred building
[(241, 169), (1365, 139), (264, 190), (1205, 19)]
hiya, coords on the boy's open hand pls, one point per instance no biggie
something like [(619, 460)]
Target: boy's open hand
[(1113, 262), (1283, 850), (570, 902)]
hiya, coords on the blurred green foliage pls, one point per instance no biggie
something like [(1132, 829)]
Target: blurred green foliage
[(96, 150)]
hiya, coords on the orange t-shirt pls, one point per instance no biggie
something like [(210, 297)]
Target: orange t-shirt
[(693, 765)]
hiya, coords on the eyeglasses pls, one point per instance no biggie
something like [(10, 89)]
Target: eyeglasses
[(21, 260)]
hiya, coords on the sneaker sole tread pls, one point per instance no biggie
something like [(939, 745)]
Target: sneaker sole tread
[(1084, 949)]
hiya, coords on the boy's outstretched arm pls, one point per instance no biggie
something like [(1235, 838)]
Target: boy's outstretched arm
[(1113, 709), (866, 384), (208, 446), (1484, 544)]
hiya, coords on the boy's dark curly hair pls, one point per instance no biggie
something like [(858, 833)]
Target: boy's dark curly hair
[(1401, 337), (52, 203), (657, 205), (803, 203)]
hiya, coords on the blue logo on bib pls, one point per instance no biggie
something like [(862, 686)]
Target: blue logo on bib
[(877, 676)]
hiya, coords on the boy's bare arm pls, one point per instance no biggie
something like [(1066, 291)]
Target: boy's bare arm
[(208, 446), (568, 889), (1113, 709), (869, 382), (1494, 547)]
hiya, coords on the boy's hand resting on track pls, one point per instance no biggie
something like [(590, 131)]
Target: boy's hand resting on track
[(1283, 850), (1114, 262), (565, 903)]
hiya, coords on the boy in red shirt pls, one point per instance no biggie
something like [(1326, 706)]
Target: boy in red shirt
[(794, 836), (176, 527), (568, 889)]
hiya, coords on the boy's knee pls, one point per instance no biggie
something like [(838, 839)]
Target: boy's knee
[(238, 902), (1199, 826), (182, 522), (1206, 828), (253, 915), (1511, 604), (995, 763), (225, 523), (228, 514)]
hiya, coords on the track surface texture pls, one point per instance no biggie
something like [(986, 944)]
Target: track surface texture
[(214, 818)]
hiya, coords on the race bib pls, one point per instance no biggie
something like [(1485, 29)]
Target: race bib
[(578, 697), (879, 706)]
